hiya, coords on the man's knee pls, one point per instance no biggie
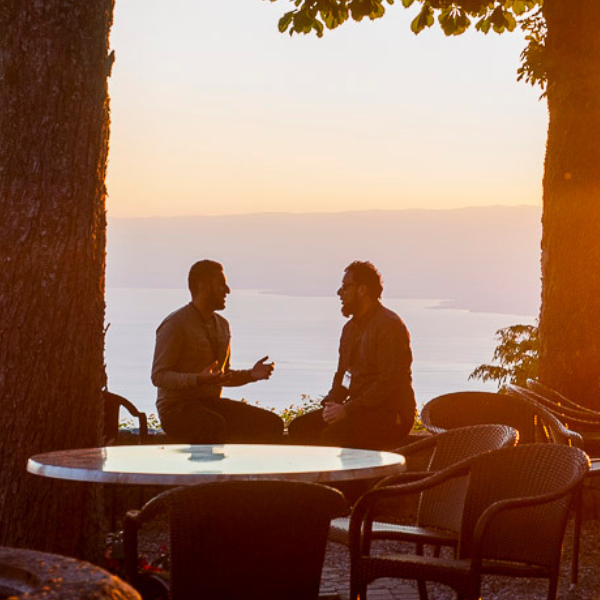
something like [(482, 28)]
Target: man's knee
[(194, 425)]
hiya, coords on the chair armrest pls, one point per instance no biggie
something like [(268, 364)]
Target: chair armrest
[(403, 478), (134, 520), (116, 399), (361, 517), (425, 444)]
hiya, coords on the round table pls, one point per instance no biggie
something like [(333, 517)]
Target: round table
[(181, 464)]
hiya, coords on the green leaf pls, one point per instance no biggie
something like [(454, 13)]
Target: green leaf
[(522, 6), (378, 12), (453, 22), (510, 21), (447, 21), (483, 25), (462, 23), (285, 21), (423, 19)]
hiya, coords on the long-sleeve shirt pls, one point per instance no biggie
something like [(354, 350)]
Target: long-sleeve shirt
[(186, 344), (375, 353)]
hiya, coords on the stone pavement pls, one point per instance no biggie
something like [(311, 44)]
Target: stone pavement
[(336, 579)]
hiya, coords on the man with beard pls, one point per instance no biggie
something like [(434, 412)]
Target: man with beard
[(371, 403), (192, 364)]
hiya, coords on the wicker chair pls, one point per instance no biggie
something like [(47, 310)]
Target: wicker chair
[(551, 394), (584, 421), (253, 540), (533, 421), (513, 521), (434, 527)]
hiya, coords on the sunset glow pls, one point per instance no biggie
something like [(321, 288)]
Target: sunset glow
[(215, 112)]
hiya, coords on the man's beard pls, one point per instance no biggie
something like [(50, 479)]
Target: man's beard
[(347, 309), (217, 300)]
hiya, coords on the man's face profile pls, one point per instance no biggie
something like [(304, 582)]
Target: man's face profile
[(347, 294), (218, 291)]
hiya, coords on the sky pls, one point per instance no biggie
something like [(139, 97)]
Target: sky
[(215, 112)]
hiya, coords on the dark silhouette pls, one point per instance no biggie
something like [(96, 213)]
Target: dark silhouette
[(192, 364), (371, 403)]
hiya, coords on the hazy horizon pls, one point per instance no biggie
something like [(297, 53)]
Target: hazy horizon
[(473, 207), (484, 259)]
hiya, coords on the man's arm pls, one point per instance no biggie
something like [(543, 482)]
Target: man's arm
[(169, 343), (261, 370)]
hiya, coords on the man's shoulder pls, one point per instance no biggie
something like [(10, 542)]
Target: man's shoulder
[(387, 314), (386, 318), (180, 315)]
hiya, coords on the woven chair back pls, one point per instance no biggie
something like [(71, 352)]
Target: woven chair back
[(530, 535), (442, 506), (256, 540), (460, 409)]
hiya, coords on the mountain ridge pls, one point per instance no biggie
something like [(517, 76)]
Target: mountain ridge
[(479, 258)]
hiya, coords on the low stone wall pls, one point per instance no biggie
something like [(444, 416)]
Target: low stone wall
[(40, 576)]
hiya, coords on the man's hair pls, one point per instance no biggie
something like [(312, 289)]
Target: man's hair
[(203, 271), (365, 273)]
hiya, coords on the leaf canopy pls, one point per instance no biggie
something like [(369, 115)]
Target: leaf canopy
[(453, 16)]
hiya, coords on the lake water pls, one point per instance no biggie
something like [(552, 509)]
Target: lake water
[(301, 334)]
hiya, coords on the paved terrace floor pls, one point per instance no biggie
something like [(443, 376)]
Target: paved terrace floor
[(336, 576)]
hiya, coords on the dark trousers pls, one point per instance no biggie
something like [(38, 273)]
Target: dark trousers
[(377, 429), (219, 421)]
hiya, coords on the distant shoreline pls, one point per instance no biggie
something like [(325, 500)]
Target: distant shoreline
[(436, 303)]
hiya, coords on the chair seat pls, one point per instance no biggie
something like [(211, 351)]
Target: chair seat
[(338, 532)]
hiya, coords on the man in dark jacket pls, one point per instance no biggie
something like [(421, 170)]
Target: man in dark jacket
[(371, 403)]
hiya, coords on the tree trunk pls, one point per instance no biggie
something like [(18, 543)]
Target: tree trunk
[(54, 127), (569, 325)]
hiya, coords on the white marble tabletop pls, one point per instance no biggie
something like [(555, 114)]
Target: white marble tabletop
[(188, 465)]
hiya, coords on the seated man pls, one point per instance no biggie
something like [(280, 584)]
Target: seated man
[(371, 403), (191, 365)]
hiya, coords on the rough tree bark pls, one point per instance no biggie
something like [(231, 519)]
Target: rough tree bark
[(54, 127), (569, 325)]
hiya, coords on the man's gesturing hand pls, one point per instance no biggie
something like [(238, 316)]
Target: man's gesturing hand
[(262, 370), (211, 374)]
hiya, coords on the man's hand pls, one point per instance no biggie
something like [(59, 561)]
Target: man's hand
[(333, 412), (211, 375), (262, 370)]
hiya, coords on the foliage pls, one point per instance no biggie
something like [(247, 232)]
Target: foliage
[(517, 357), (288, 414), (307, 404), (153, 423), (453, 16)]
